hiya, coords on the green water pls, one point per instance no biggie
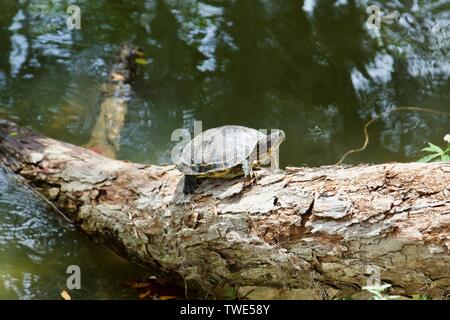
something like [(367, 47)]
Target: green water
[(311, 68)]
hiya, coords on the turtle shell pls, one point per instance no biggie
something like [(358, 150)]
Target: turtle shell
[(218, 149)]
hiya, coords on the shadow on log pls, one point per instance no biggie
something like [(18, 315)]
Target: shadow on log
[(323, 228)]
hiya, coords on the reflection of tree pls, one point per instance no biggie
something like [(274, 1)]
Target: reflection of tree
[(273, 65), (419, 77), (173, 58), (172, 89), (244, 74), (294, 72), (175, 66), (8, 11), (342, 46)]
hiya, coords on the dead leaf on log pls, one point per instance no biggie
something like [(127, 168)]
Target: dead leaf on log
[(156, 288), (65, 295)]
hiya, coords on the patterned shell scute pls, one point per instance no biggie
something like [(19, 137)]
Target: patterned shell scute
[(218, 149)]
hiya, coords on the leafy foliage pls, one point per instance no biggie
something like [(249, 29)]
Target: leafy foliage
[(436, 153)]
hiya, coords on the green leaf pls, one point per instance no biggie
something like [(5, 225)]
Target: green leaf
[(13, 134), (445, 158), (428, 158), (435, 148), (428, 149)]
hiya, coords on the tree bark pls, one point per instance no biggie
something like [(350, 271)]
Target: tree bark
[(328, 228)]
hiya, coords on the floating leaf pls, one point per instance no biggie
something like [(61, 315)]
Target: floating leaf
[(158, 287), (140, 285), (141, 61), (65, 295), (145, 294), (167, 298), (117, 77)]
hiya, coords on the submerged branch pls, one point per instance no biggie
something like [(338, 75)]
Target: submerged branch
[(368, 123)]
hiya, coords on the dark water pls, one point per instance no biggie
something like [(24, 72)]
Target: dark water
[(311, 68)]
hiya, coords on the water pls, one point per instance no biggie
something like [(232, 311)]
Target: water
[(311, 68), (36, 248)]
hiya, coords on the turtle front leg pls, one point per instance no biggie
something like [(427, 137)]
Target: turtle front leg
[(190, 183), (275, 164), (247, 168)]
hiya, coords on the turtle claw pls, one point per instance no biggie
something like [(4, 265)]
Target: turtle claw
[(246, 167)]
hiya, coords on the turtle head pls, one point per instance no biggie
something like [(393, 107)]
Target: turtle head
[(275, 139), (269, 144)]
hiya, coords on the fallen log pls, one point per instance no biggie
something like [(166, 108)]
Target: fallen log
[(323, 228)]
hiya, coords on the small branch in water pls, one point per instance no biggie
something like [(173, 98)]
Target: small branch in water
[(368, 123)]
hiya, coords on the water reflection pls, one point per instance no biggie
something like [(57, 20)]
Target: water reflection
[(258, 63), (19, 44)]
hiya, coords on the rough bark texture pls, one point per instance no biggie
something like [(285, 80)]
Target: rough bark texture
[(323, 228)]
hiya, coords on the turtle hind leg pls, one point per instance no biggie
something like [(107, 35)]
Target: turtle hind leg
[(190, 183)]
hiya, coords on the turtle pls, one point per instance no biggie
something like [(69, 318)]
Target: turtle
[(226, 152)]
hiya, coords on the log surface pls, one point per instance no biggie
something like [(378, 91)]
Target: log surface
[(323, 228)]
